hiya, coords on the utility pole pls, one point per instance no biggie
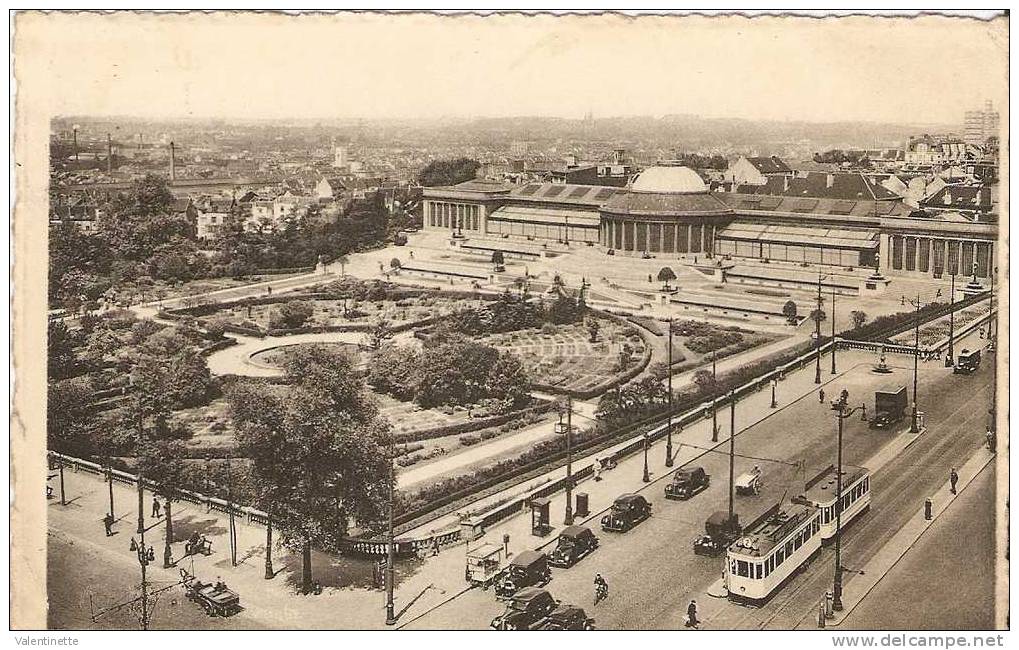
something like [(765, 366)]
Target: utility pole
[(714, 400), (668, 443), (230, 514), (833, 346), (390, 545), (842, 412), (817, 330), (950, 359), (915, 427), (167, 549), (990, 322), (143, 558), (732, 455)]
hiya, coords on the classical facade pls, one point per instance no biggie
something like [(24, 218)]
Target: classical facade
[(669, 212)]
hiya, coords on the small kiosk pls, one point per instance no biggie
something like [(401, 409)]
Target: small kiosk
[(540, 525)]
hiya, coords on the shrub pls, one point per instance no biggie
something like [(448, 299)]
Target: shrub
[(291, 315), (469, 439)]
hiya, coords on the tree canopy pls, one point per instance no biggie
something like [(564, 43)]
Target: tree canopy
[(448, 172), (318, 448)]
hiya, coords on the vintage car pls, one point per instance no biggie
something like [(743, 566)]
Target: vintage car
[(627, 511), (214, 597), (526, 610), (528, 569), (575, 543), (568, 617), (686, 482), (719, 532)]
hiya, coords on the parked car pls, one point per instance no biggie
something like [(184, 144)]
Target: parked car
[(528, 569), (686, 482), (575, 543), (627, 511), (568, 617), (526, 610)]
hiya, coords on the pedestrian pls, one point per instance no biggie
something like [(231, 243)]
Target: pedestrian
[(820, 395), (133, 546), (412, 255), (953, 478), (269, 290), (597, 469), (155, 507), (829, 604), (649, 280), (108, 524), (435, 545), (691, 615), (990, 439)]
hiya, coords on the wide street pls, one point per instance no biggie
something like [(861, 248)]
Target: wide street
[(652, 570)]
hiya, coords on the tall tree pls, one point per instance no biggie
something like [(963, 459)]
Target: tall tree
[(318, 449), (448, 172)]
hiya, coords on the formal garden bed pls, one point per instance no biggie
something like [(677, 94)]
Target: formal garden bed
[(938, 330)]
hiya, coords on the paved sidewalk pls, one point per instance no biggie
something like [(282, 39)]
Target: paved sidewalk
[(879, 565)]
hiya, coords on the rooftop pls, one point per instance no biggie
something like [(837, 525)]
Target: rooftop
[(772, 529), (669, 180)]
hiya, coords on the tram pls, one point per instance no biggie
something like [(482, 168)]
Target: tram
[(820, 493), (771, 549)]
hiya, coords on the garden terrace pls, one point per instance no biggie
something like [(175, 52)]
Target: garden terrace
[(562, 358)]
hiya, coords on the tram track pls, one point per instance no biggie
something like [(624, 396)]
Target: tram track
[(895, 500)]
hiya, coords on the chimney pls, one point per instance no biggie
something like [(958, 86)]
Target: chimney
[(830, 181), (109, 154), (75, 131), (173, 162)]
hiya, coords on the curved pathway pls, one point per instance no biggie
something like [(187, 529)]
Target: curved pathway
[(236, 359)]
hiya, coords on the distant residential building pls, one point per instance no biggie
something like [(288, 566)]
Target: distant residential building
[(756, 170), (969, 200)]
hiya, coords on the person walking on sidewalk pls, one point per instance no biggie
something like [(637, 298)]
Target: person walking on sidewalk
[(953, 478), (155, 507), (691, 615), (108, 524), (820, 395)]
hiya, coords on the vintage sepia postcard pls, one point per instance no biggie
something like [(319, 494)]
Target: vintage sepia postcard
[(422, 321)]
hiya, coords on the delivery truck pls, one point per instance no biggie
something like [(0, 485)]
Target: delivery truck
[(889, 407)]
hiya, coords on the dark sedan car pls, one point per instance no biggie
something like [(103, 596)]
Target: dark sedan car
[(526, 610), (568, 617), (627, 511), (575, 543)]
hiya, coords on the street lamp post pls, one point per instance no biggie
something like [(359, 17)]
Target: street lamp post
[(109, 478), (668, 443), (647, 444), (774, 385), (732, 459), (566, 428), (60, 464)]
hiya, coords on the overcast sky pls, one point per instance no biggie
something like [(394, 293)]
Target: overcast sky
[(260, 66)]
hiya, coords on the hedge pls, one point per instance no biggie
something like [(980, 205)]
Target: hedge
[(473, 424), (544, 456), (884, 327)]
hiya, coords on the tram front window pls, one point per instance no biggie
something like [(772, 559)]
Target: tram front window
[(742, 569)]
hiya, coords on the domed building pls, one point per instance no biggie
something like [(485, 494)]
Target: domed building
[(666, 211)]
